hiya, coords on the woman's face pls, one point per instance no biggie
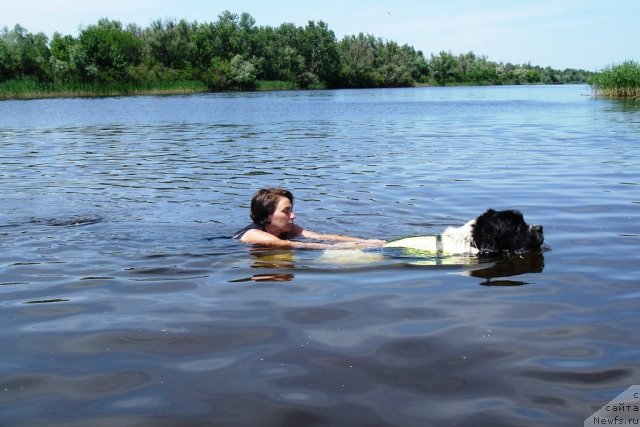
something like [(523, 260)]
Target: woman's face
[(281, 220)]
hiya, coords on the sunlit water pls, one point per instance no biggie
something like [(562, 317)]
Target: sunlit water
[(123, 300)]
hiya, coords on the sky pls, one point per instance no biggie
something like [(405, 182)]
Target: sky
[(584, 34)]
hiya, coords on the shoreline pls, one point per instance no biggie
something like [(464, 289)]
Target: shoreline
[(26, 96), (104, 92), (26, 89)]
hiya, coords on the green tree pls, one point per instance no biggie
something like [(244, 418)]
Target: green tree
[(292, 64), (479, 70), (358, 54), (24, 54), (218, 75), (64, 51), (399, 65), (320, 52), (5, 59), (444, 68), (246, 35), (532, 76), (266, 52), (204, 48), (242, 73), (226, 40), (107, 52), (169, 43)]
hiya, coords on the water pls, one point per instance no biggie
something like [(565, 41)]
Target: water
[(124, 302)]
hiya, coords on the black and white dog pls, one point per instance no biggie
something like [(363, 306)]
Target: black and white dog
[(494, 233)]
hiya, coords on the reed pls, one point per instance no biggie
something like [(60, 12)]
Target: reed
[(269, 85), (30, 88), (618, 81)]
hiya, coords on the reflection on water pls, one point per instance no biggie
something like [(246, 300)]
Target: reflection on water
[(284, 259), (276, 277), (124, 301), (530, 262), (630, 106), (272, 258)]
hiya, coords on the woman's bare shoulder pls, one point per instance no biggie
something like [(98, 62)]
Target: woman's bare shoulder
[(258, 236)]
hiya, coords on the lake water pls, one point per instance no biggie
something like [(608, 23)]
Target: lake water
[(123, 301)]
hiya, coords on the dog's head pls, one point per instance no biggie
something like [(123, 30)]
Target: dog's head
[(505, 233)]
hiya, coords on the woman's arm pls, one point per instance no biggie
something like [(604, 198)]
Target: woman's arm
[(333, 237), (260, 237), (299, 231)]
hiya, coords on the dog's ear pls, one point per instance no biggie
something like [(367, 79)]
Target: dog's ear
[(486, 218), (517, 214)]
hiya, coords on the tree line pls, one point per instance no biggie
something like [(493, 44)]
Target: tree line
[(233, 53)]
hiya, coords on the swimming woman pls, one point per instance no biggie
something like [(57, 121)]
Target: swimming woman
[(272, 215)]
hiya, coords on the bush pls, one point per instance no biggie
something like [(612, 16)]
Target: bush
[(618, 81)]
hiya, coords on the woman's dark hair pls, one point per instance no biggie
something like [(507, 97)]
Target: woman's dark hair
[(265, 202)]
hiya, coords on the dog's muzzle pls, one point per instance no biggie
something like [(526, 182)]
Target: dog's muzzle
[(536, 230)]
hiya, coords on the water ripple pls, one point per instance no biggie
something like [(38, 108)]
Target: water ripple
[(125, 302)]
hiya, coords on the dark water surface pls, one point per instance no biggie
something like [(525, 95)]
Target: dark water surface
[(124, 302)]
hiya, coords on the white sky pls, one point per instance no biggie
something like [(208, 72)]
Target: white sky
[(587, 34)]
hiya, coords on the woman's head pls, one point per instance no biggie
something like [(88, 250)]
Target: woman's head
[(265, 202)]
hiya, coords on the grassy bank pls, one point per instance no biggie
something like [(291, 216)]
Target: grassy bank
[(28, 88), (618, 81)]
